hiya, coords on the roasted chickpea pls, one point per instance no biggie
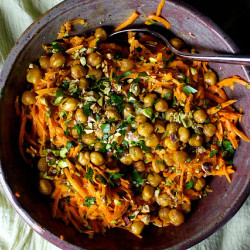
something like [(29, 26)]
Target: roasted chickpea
[(172, 127), (163, 200), (164, 214), (159, 126), (44, 62), (147, 192), (57, 60), (100, 34), (80, 116), (210, 77), (186, 207), (128, 110), (70, 104), (96, 73), (196, 140), (136, 153), (154, 179), (199, 184), (176, 42), (168, 159), (152, 141), (78, 71), (209, 129), (158, 165), (180, 157), (88, 138), (84, 158), (126, 65), (127, 160), (169, 114), (99, 133), (74, 133), (34, 75), (118, 138), (200, 116), (45, 187), (171, 145), (137, 227), (167, 94), (145, 129), (184, 134), (83, 83), (149, 100), (161, 106), (42, 165), (112, 113), (96, 158), (94, 59), (176, 217), (139, 166), (28, 98), (99, 146), (140, 118)]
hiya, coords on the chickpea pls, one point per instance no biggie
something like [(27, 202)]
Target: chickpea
[(28, 98), (74, 133), (140, 118), (147, 192), (96, 73), (128, 110), (210, 77), (126, 65), (118, 139), (139, 166), (44, 62), (70, 104), (171, 145), (169, 114), (159, 126), (184, 134), (57, 60), (100, 34), (154, 179), (34, 75), (158, 165), (176, 217), (94, 59), (163, 200), (149, 100), (78, 71), (199, 184), (168, 159), (96, 158), (126, 160), (180, 157), (161, 106), (152, 141), (42, 165), (164, 214), (45, 187), (196, 140), (209, 129), (83, 83), (145, 129), (84, 158), (186, 207), (200, 116), (167, 94), (136, 153), (80, 116), (176, 42), (137, 227), (112, 113), (88, 138), (172, 127), (99, 133), (99, 146)]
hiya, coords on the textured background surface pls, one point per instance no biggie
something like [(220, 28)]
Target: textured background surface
[(17, 15)]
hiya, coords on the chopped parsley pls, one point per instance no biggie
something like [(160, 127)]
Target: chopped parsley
[(89, 201)]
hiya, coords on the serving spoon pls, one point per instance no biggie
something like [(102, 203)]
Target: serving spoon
[(232, 59)]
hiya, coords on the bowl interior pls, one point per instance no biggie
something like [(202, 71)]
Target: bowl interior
[(208, 214)]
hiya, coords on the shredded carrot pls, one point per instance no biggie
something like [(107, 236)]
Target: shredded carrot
[(160, 7), (233, 80), (158, 19), (130, 20)]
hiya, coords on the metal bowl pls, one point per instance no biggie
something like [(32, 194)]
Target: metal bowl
[(208, 214)]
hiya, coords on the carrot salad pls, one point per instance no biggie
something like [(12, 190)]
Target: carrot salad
[(125, 136)]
